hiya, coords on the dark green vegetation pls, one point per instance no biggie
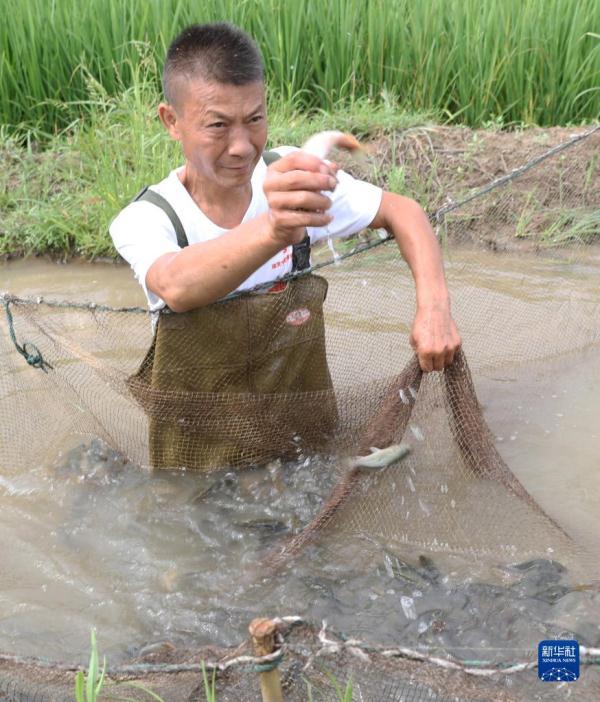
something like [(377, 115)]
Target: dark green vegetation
[(506, 61)]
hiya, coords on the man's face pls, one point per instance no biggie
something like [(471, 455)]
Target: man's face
[(222, 129)]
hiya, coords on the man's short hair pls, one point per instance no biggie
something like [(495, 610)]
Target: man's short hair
[(218, 52)]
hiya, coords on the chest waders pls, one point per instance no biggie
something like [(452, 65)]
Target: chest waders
[(240, 381)]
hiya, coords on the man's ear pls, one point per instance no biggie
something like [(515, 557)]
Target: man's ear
[(168, 117)]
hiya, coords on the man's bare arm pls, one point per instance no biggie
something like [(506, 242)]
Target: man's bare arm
[(201, 273), (434, 335)]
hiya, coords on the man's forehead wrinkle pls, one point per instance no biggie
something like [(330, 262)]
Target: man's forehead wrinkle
[(202, 98), (229, 115)]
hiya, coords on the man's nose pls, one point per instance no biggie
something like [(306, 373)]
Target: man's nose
[(240, 144)]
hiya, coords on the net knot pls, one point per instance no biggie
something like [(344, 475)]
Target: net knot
[(33, 356), (271, 663), (29, 351)]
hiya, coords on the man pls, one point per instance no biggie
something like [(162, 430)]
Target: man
[(242, 223)]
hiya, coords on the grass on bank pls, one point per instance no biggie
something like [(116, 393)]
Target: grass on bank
[(507, 61), (59, 200), (90, 684)]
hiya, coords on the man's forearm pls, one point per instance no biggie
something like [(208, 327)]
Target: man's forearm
[(202, 273), (433, 334), (408, 223), (421, 250)]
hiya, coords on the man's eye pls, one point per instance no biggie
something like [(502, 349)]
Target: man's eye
[(217, 125), (257, 118)]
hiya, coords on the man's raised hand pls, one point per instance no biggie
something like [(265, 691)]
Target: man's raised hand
[(295, 187)]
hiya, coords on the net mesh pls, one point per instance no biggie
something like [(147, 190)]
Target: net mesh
[(323, 366)]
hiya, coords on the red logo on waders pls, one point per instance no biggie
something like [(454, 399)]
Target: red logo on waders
[(298, 317)]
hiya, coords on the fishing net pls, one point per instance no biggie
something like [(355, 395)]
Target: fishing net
[(321, 366)]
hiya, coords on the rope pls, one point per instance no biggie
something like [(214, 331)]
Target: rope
[(480, 668), (92, 306), (259, 664), (267, 666), (250, 663), (515, 173), (29, 351)]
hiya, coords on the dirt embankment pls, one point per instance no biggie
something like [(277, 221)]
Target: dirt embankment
[(555, 203)]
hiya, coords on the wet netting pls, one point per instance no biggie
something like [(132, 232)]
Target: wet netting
[(418, 563)]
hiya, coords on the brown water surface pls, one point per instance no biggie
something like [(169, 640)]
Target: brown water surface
[(104, 283)]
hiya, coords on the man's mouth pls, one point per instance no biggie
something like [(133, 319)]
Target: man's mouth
[(245, 167)]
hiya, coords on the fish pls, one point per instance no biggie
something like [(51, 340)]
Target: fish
[(322, 143), (380, 458), (357, 467)]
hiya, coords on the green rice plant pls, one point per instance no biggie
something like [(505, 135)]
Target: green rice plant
[(88, 686), (502, 61), (343, 694)]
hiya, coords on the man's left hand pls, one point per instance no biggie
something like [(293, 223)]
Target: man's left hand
[(434, 337)]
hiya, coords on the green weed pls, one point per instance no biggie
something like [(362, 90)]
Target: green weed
[(343, 694), (572, 225), (209, 686), (88, 686)]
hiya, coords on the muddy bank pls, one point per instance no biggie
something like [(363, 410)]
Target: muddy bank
[(555, 204)]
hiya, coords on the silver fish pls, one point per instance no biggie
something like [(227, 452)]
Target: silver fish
[(380, 458)]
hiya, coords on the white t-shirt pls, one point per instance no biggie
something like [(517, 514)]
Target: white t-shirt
[(142, 232)]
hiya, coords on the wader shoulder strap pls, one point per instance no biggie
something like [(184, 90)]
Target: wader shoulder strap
[(301, 255), (151, 196), (300, 252), (270, 157)]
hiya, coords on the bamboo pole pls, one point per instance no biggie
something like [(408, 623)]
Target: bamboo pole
[(263, 633)]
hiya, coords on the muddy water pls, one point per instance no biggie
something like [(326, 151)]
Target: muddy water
[(547, 431), (104, 283), (147, 558)]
